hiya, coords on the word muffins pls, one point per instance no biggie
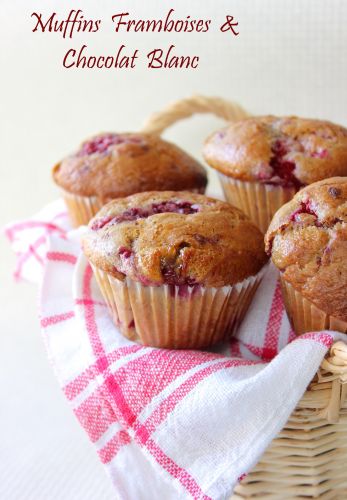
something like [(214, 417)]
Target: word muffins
[(177, 269), (307, 241), (264, 161), (110, 166)]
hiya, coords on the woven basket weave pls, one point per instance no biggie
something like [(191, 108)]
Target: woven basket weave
[(308, 459)]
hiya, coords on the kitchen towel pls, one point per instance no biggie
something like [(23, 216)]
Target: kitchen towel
[(165, 423)]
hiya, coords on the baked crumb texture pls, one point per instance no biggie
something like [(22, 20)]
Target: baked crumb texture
[(115, 165), (287, 151), (307, 241), (175, 238)]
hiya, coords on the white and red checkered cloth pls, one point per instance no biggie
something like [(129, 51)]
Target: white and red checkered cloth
[(166, 424)]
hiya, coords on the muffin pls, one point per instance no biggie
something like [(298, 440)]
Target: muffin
[(307, 241), (264, 161), (112, 166), (177, 269)]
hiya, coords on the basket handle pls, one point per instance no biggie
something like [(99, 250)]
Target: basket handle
[(184, 108), (334, 368)]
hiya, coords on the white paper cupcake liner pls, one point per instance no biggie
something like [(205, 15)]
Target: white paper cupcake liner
[(81, 208), (259, 201), (304, 316), (176, 317)]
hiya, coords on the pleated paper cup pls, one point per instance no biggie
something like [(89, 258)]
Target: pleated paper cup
[(259, 201), (304, 316), (176, 317), (81, 208)]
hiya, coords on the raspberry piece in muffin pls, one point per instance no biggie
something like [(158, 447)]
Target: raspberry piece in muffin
[(135, 213), (307, 241), (102, 143), (98, 144), (134, 162), (175, 238), (282, 169), (263, 161), (289, 151), (110, 166), (177, 269), (305, 208)]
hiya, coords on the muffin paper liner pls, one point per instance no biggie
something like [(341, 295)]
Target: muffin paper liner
[(176, 317), (81, 208), (258, 201), (304, 316)]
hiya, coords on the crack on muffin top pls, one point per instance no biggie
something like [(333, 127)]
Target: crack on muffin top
[(115, 165), (282, 162), (289, 151), (306, 209), (135, 213), (171, 271), (282, 168), (304, 216), (175, 238), (307, 240)]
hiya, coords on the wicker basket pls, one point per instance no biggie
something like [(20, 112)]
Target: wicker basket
[(308, 458)]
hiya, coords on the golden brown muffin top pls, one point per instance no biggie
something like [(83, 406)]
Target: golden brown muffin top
[(287, 151), (114, 165), (176, 238), (307, 240)]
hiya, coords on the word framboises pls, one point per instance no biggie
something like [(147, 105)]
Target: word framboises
[(168, 24)]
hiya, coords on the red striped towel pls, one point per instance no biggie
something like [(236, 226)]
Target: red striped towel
[(166, 424)]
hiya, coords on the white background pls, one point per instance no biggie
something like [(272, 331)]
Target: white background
[(290, 58)]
